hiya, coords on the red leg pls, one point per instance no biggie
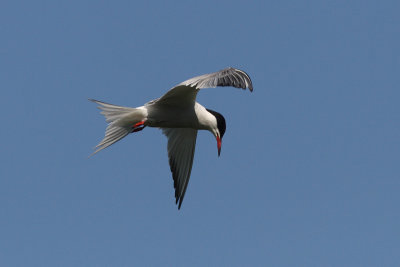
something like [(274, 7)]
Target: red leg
[(138, 124), (138, 127)]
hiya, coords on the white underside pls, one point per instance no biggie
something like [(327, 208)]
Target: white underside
[(195, 117)]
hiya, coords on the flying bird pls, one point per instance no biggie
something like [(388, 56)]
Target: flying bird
[(179, 116)]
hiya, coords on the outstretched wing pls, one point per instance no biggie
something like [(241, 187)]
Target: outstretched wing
[(226, 77), (185, 93), (181, 146)]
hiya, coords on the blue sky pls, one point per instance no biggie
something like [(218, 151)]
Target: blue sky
[(309, 170)]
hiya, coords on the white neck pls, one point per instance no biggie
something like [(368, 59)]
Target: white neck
[(207, 121)]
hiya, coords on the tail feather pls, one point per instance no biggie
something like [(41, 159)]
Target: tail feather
[(110, 111), (110, 139), (120, 121)]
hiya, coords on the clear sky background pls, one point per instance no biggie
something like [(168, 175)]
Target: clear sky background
[(309, 173)]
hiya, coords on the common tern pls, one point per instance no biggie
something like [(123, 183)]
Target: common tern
[(179, 116)]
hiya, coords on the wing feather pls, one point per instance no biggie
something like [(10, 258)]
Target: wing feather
[(181, 147), (226, 77), (185, 93)]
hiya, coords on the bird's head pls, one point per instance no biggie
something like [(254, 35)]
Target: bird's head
[(220, 128)]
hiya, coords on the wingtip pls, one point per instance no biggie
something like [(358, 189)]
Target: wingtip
[(247, 79), (249, 82), (250, 87)]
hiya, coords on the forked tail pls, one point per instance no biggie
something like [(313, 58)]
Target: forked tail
[(121, 122)]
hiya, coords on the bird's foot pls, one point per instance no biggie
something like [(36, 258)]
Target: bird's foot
[(138, 126)]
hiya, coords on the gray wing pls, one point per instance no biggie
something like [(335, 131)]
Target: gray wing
[(186, 92), (226, 77), (181, 147)]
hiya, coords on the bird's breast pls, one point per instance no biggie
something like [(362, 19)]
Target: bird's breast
[(172, 117)]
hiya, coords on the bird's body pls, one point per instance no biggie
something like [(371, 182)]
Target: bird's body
[(196, 117), (179, 116)]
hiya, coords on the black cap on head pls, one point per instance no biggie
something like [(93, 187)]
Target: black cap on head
[(221, 124)]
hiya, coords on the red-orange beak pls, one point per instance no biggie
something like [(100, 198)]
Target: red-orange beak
[(219, 145)]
